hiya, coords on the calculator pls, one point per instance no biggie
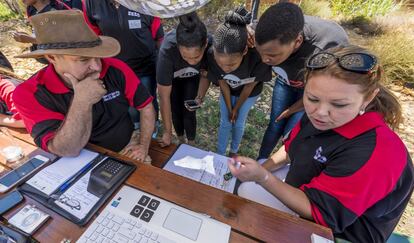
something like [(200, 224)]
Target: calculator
[(105, 175)]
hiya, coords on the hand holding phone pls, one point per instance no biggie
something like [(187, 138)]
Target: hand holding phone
[(191, 105)]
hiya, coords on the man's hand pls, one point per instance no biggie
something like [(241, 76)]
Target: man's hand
[(137, 152), (165, 140), (23, 37), (233, 115), (285, 114), (89, 90)]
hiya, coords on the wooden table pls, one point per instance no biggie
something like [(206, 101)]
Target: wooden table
[(250, 221)]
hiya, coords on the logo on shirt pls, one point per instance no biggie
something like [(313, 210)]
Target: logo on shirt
[(233, 81), (111, 96), (186, 72), (132, 13), (318, 155)]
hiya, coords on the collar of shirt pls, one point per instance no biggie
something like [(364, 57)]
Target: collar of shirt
[(361, 124), (54, 83)]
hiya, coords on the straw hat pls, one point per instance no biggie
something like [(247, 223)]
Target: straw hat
[(65, 32)]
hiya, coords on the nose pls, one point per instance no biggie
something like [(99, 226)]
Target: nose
[(322, 110), (95, 65)]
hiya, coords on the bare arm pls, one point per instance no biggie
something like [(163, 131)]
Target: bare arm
[(292, 197), (202, 87), (8, 121), (277, 160), (225, 89), (147, 115), (297, 106), (246, 91), (165, 107), (76, 129)]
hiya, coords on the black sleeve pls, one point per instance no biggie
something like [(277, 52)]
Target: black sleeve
[(261, 71), (165, 68)]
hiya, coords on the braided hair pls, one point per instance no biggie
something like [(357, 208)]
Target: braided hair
[(231, 36), (191, 31)]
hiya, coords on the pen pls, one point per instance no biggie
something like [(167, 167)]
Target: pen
[(68, 182)]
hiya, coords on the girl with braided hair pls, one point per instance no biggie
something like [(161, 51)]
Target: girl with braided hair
[(240, 74)]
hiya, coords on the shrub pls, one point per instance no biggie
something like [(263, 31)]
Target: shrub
[(319, 8), (363, 8)]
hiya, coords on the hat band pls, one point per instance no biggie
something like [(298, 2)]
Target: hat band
[(70, 45)]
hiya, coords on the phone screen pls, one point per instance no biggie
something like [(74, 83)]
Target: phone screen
[(15, 175), (9, 200), (192, 103)]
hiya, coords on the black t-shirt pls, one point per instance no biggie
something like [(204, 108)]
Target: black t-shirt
[(53, 5), (252, 69), (358, 177), (171, 66), (319, 35), (137, 33)]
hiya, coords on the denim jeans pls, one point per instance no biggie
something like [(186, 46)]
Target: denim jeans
[(151, 84), (235, 129), (283, 97)]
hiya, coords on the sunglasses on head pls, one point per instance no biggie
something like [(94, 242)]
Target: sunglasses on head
[(354, 62)]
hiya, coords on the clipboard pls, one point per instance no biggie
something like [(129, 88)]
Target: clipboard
[(52, 202)]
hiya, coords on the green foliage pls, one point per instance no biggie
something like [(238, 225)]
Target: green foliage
[(319, 8), (6, 13), (363, 8), (396, 52)]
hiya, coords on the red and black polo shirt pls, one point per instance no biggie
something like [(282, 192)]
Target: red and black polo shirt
[(137, 33), (358, 177), (44, 100), (7, 86)]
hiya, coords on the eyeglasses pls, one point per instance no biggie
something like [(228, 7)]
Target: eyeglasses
[(354, 62)]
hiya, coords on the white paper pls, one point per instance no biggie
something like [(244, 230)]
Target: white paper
[(53, 176), (188, 156), (78, 193)]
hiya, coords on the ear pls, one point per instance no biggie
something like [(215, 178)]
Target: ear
[(370, 98), (245, 50), (51, 59), (298, 41)]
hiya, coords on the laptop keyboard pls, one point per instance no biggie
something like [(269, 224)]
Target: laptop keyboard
[(110, 228)]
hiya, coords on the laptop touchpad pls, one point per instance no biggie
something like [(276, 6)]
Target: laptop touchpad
[(183, 224)]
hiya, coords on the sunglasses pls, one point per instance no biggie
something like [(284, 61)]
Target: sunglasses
[(354, 62)]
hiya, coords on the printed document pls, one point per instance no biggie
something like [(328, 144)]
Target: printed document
[(53, 176), (206, 167)]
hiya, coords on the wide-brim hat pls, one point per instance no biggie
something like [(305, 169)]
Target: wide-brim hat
[(164, 8), (65, 32)]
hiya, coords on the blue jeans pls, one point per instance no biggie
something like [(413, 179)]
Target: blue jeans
[(235, 129), (283, 97), (151, 84)]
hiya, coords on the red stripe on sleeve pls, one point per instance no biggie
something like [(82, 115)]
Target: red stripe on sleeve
[(149, 100), (317, 216), (155, 26), (292, 135), (45, 139), (93, 27), (373, 181)]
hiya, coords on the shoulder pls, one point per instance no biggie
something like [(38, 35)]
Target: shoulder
[(169, 42), (27, 89), (324, 33)]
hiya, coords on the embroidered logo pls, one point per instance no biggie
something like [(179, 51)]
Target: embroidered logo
[(111, 96), (318, 155), (135, 14)]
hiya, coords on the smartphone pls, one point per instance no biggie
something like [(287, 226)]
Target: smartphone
[(10, 200), (191, 104), (19, 174)]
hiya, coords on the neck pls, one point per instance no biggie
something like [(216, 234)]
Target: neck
[(39, 5)]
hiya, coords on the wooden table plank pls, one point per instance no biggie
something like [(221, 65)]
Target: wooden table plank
[(250, 221)]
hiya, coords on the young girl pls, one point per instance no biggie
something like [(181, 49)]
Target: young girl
[(240, 74), (181, 65), (349, 170)]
